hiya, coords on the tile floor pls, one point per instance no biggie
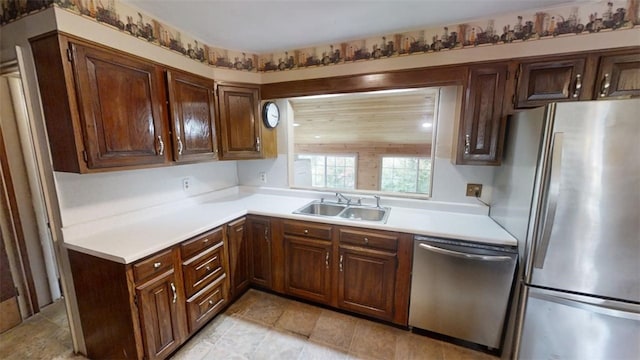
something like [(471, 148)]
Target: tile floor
[(257, 326)]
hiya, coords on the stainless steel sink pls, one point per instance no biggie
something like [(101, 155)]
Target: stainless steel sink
[(321, 209), (365, 213), (344, 211)]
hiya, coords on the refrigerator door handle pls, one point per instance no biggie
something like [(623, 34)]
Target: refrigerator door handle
[(630, 312), (552, 200), (458, 254)]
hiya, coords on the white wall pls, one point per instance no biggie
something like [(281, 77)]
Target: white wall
[(92, 196), (449, 181)]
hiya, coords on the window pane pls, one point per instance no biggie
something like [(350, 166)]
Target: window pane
[(334, 172), (405, 174)]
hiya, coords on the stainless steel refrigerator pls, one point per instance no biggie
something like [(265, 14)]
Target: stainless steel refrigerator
[(569, 191)]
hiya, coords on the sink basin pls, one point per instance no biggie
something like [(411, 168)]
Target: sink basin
[(321, 209), (344, 211), (365, 213)]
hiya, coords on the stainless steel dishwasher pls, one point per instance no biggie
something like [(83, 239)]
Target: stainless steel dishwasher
[(461, 289)]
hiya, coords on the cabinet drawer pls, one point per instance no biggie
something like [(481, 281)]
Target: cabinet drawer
[(203, 269), (206, 304), (201, 242), (313, 230), (152, 266), (369, 239)]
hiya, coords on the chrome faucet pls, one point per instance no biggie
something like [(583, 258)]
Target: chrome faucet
[(342, 197), (377, 200)]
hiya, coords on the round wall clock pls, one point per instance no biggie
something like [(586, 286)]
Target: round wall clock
[(270, 114)]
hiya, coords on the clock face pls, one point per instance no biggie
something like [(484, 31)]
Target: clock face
[(271, 114)]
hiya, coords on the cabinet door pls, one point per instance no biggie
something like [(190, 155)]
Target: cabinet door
[(618, 76), (307, 268), (121, 103), (367, 281), (161, 315), (240, 127), (482, 128), (238, 257), (259, 237), (191, 99), (542, 82)]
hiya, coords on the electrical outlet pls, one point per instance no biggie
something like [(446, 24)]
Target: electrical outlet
[(186, 184), (263, 177), (474, 190)]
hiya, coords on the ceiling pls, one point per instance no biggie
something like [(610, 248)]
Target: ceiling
[(373, 118), (262, 26)]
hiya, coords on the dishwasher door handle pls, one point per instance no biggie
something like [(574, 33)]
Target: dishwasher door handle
[(464, 255)]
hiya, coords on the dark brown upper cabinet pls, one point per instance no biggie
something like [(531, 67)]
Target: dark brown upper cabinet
[(482, 123), (544, 81), (618, 76), (192, 104), (239, 122), (104, 110)]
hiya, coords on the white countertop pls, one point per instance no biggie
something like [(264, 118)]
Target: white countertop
[(129, 237)]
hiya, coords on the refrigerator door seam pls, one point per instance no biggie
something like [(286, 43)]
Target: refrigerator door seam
[(632, 313), (552, 200)]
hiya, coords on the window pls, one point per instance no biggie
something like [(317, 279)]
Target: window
[(331, 171), (405, 174)]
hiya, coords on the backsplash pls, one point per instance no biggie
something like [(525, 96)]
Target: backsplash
[(543, 24)]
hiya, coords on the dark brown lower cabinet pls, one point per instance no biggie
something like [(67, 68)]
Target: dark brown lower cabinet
[(360, 270), (307, 268), (366, 281), (206, 304), (147, 309), (238, 257), (259, 238), (161, 307)]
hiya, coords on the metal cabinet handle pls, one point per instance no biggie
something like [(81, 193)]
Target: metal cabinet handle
[(366, 240), (552, 201), (326, 260), (210, 302), (206, 240), (266, 234), (467, 144), (157, 265), (464, 255), (306, 231), (604, 87), (160, 146), (257, 144), (208, 268), (576, 90), (341, 258), (180, 147), (175, 294)]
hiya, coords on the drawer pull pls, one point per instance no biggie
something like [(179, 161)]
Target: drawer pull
[(157, 265), (210, 302), (306, 231), (206, 240), (366, 240), (208, 268), (180, 146), (576, 90), (160, 146), (604, 87), (175, 294)]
